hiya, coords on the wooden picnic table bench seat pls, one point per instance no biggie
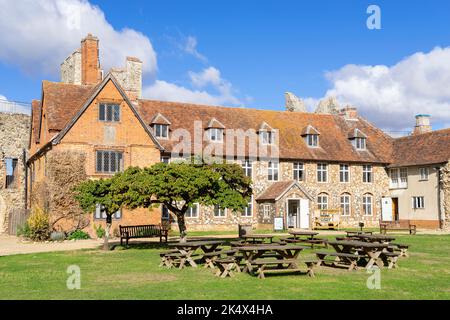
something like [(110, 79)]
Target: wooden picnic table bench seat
[(165, 260), (390, 259), (143, 231), (340, 259), (177, 259), (292, 267), (226, 266), (402, 248), (211, 257), (393, 226)]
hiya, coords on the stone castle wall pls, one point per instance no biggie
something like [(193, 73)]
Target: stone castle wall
[(446, 194), (14, 135)]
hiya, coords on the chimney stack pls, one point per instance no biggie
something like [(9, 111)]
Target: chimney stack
[(349, 113), (422, 124), (90, 63)]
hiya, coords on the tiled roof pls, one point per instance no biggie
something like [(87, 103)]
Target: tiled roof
[(275, 190), (334, 142), (62, 101), (421, 149)]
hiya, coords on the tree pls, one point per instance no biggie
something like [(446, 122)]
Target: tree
[(179, 185), (91, 193)]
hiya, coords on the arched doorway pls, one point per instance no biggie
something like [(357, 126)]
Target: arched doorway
[(2, 215)]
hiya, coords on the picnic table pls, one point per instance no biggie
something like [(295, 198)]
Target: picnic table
[(352, 252), (281, 252), (305, 237), (351, 234), (187, 249), (375, 238), (257, 238)]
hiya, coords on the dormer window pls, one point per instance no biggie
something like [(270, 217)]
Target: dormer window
[(266, 137), (311, 136), (358, 139), (312, 140), (161, 130), (215, 134), (360, 143), (266, 134), (215, 130), (160, 126)]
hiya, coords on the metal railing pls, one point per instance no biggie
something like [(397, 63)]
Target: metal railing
[(15, 107)]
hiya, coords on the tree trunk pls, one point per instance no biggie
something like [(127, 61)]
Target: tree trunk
[(107, 230), (182, 227)]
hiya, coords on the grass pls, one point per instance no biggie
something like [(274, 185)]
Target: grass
[(134, 274)]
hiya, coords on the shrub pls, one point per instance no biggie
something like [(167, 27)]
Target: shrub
[(24, 231), (99, 231), (78, 235), (39, 225)]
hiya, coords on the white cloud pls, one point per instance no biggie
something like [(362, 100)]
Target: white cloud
[(191, 47), (38, 35), (208, 78), (3, 98), (390, 96)]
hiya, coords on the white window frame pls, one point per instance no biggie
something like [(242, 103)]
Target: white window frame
[(247, 165), (398, 178), (245, 213), (189, 211), (424, 173), (266, 211), (298, 170), (360, 143), (312, 140), (346, 208), (367, 204), (266, 137), (273, 168), (159, 133), (322, 171), (344, 171), (367, 171), (215, 134), (100, 214), (222, 212), (322, 201), (418, 202)]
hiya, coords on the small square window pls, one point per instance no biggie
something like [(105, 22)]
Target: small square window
[(424, 173), (109, 112)]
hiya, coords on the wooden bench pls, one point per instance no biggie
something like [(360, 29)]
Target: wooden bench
[(166, 259), (393, 226), (292, 267), (401, 248), (226, 267), (142, 231), (211, 257), (347, 260), (390, 259)]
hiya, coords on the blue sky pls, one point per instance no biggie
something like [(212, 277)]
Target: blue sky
[(250, 52)]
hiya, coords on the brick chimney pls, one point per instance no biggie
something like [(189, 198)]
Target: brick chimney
[(90, 63), (422, 124), (349, 113)]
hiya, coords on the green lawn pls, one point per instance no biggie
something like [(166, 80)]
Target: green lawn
[(134, 274)]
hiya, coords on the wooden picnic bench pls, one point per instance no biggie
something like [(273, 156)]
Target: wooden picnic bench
[(292, 266), (186, 249), (226, 266), (338, 259), (210, 257), (143, 231), (395, 226), (401, 248), (305, 237), (390, 258)]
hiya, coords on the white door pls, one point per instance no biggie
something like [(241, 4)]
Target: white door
[(304, 214), (386, 209)]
